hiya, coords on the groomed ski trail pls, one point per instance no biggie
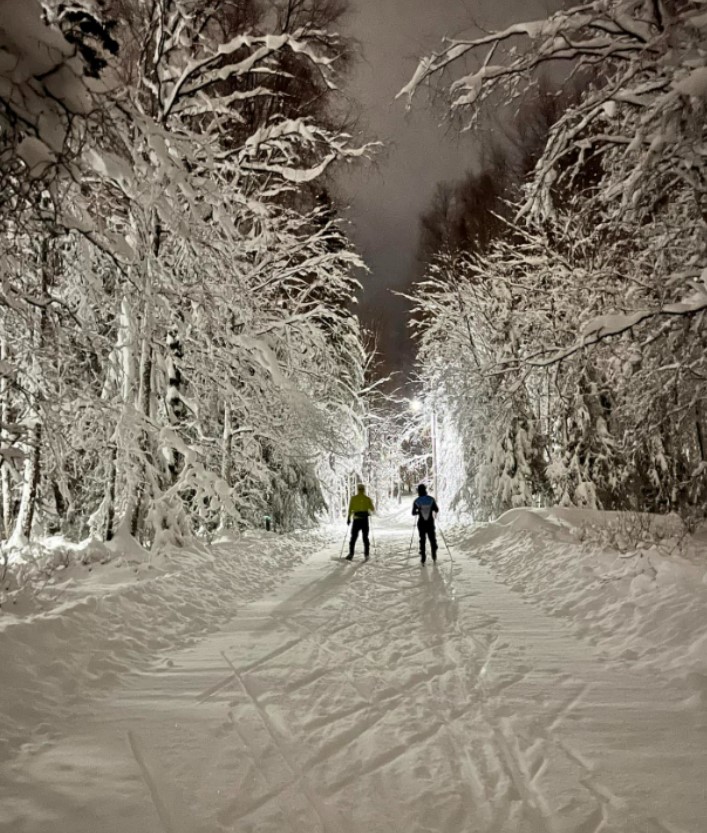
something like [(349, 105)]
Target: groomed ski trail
[(379, 696)]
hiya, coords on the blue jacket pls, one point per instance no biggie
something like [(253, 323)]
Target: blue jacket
[(425, 506)]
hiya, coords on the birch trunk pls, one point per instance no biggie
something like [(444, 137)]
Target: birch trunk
[(143, 407), (699, 431), (226, 455), (110, 495), (122, 379)]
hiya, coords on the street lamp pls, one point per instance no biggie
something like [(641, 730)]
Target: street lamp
[(433, 435), (417, 406)]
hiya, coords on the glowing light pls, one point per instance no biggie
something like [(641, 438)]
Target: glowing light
[(416, 406)]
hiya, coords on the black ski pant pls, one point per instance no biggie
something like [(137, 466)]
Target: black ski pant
[(426, 529), (359, 525)]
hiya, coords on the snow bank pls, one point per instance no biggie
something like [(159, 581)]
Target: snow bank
[(99, 615), (634, 584)]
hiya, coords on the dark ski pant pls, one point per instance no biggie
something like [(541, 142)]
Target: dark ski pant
[(359, 525), (426, 529)]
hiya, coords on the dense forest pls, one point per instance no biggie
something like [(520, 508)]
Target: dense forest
[(561, 321), (178, 348)]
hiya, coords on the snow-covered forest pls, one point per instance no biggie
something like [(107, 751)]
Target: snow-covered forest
[(177, 325), (562, 322), (196, 422), (176, 285)]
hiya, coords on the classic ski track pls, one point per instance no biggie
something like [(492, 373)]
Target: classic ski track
[(454, 651), (322, 754), (520, 755), (521, 771), (383, 671), (235, 810), (435, 673), (374, 712), (318, 643), (383, 759), (300, 777), (477, 690), (230, 678)]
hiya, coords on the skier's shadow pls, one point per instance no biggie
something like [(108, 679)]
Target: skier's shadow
[(312, 596), (438, 603)]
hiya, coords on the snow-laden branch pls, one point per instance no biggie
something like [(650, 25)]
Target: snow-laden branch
[(604, 327), (629, 63), (198, 74)]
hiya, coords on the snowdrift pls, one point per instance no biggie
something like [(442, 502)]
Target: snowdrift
[(633, 584)]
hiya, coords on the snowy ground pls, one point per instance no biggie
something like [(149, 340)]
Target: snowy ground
[(372, 697)]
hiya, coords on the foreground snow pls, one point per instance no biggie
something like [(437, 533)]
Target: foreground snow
[(81, 617), (377, 697)]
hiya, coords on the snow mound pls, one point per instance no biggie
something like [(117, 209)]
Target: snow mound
[(634, 584), (540, 521)]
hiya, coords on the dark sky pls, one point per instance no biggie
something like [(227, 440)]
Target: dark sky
[(387, 198)]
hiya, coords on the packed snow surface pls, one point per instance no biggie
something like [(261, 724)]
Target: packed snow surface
[(509, 691)]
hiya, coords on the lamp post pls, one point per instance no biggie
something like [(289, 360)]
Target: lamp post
[(433, 436), (417, 406)]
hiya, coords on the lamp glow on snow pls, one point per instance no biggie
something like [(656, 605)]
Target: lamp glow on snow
[(416, 406)]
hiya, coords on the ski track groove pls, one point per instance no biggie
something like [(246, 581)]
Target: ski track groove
[(328, 720), (476, 693), (300, 778), (381, 681), (235, 810), (501, 788), (521, 771), (319, 645), (383, 759)]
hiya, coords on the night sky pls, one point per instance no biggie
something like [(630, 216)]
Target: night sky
[(388, 197)]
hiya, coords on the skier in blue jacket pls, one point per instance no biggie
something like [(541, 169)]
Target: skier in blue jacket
[(425, 507)]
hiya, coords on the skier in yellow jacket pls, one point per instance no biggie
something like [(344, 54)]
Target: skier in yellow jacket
[(360, 508)]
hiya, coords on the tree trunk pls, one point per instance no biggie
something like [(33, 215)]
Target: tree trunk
[(699, 431), (110, 508), (143, 407), (227, 445), (145, 378), (176, 409), (60, 504), (32, 468), (120, 492), (226, 452), (5, 483), (30, 487)]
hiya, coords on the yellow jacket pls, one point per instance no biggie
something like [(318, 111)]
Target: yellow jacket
[(360, 504)]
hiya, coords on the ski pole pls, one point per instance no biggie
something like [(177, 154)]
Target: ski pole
[(446, 544), (412, 538), (373, 539), (343, 543)]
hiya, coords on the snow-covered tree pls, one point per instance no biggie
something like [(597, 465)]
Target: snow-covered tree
[(202, 362), (602, 276)]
